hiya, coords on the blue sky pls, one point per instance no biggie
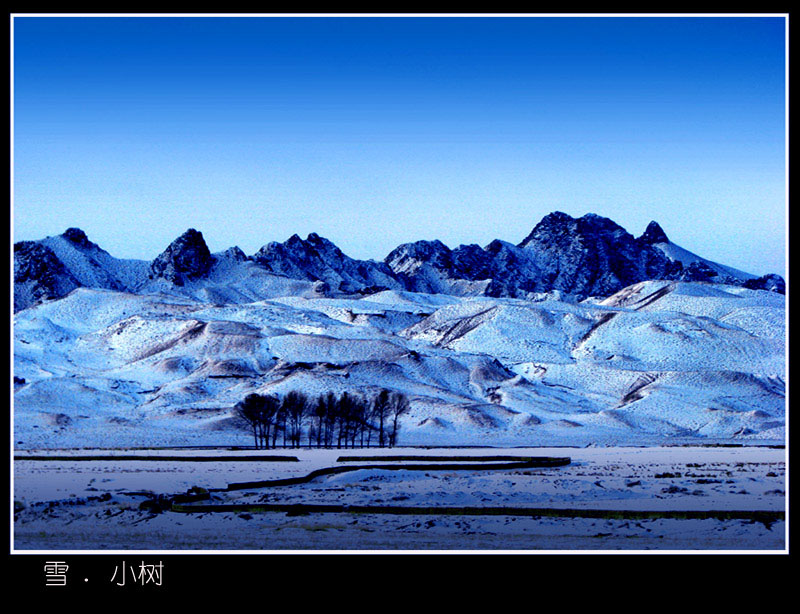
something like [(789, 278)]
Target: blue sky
[(378, 131)]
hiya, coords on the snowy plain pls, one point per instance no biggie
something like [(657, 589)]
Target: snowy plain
[(83, 504)]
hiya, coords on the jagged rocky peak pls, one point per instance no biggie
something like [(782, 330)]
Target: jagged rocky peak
[(235, 254), (435, 253), (77, 237), (496, 246), (558, 226), (591, 255), (653, 234), (312, 247), (556, 222), (319, 259), (186, 258), (315, 239), (471, 262), (294, 253), (558, 230), (294, 240), (321, 244)]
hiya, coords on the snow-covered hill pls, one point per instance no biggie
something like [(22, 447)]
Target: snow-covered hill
[(657, 361)]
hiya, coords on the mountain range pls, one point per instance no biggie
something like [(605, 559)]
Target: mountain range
[(576, 258), (580, 334)]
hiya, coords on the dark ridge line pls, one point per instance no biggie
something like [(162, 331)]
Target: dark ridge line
[(188, 335), (606, 317), (651, 298), (633, 394), (132, 457), (479, 459), (764, 516), (462, 327), (535, 462)]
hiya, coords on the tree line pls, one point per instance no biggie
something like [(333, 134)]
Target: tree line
[(345, 421)]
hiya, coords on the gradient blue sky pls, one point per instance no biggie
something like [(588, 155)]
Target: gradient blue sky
[(378, 131)]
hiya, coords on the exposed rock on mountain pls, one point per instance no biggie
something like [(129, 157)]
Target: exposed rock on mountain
[(499, 269), (587, 256), (653, 234), (92, 266), (698, 271), (592, 256), (407, 258), (234, 254), (771, 282), (54, 266), (422, 266), (187, 258), (78, 237), (513, 271), (318, 259), (472, 262), (39, 275)]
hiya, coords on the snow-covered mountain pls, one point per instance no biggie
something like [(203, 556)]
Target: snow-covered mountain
[(592, 256), (580, 334), (317, 259), (54, 266), (587, 256), (39, 275)]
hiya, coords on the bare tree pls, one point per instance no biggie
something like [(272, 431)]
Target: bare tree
[(331, 415), (364, 415), (344, 409), (258, 411), (278, 423), (369, 427), (380, 410), (320, 413), (398, 406), (248, 410), (295, 406), (269, 411), (358, 420)]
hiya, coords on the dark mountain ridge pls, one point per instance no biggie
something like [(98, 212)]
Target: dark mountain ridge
[(578, 257)]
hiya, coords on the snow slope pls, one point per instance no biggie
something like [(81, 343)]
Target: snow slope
[(685, 257), (656, 362)]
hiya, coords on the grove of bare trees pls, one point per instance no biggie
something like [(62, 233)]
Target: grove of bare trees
[(328, 420)]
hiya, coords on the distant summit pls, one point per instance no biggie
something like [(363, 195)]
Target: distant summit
[(318, 259), (187, 258), (78, 237), (653, 234), (592, 256)]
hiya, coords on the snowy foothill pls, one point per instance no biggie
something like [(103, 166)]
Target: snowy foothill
[(657, 362)]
